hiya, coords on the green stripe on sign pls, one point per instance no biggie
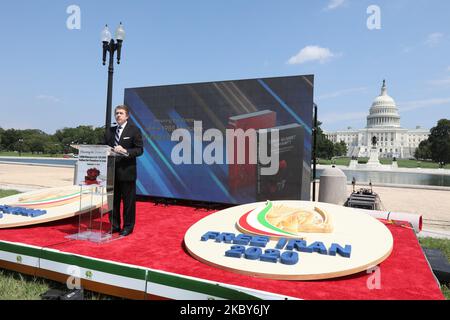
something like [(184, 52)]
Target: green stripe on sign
[(103, 266), (25, 250), (263, 221), (198, 286), (50, 199)]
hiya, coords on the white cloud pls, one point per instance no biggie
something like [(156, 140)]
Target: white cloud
[(434, 39), (448, 68), (440, 82), (339, 93), (48, 98), (311, 53), (334, 4), (419, 104), (338, 117)]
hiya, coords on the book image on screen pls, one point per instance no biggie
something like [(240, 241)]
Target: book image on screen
[(241, 176), (287, 182)]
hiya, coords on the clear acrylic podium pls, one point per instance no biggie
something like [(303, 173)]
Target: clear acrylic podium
[(94, 174)]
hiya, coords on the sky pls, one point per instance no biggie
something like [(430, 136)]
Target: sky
[(51, 72)]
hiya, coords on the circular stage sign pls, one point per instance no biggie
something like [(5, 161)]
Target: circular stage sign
[(291, 240), (49, 204)]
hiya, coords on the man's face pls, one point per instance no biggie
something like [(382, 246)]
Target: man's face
[(121, 116)]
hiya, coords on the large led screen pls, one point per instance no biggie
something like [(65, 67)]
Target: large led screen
[(227, 141)]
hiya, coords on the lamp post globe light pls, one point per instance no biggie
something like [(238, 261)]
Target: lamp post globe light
[(111, 46)]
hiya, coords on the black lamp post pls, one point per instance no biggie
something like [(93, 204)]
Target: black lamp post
[(314, 149), (20, 147), (109, 45)]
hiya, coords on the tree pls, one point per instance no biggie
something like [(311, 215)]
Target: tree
[(325, 148), (439, 141), (340, 148), (37, 141), (423, 152), (99, 133), (10, 137), (78, 135), (52, 148), (34, 139), (2, 131)]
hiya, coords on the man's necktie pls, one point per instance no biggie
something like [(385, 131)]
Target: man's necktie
[(117, 136)]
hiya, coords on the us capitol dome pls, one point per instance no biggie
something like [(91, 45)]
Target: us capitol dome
[(383, 122)]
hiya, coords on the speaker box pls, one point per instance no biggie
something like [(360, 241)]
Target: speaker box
[(439, 265), (54, 294)]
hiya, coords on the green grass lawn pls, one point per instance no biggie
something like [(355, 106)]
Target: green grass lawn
[(444, 246), (337, 161), (17, 286), (382, 161), (29, 154), (433, 243), (402, 163), (7, 193), (345, 161)]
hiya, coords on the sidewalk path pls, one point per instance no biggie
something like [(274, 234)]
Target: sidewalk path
[(433, 205), (30, 177)]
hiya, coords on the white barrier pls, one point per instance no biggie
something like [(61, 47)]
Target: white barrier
[(414, 219)]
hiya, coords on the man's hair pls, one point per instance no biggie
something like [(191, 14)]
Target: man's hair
[(123, 107)]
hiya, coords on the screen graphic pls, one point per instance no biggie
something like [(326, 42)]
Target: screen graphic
[(227, 141)]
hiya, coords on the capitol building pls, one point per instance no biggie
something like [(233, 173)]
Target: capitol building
[(383, 122)]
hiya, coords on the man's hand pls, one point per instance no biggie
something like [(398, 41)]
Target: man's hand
[(120, 149)]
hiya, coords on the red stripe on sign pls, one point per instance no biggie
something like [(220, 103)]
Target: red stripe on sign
[(244, 225)]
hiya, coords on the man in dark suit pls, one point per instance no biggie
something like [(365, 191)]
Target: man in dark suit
[(126, 140)]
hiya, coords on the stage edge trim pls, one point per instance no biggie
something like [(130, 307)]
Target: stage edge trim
[(124, 279)]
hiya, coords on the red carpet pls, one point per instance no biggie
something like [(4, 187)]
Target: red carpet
[(157, 243)]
